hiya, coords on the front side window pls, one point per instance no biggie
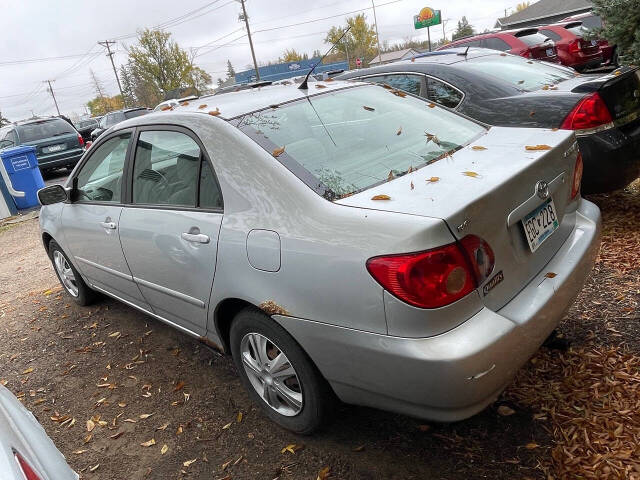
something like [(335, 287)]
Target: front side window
[(440, 92), (100, 178), (406, 82), (351, 139), (166, 169), (524, 74)]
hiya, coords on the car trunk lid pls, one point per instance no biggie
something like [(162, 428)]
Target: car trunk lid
[(55, 145), (487, 192)]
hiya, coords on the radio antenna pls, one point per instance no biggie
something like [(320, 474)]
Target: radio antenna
[(303, 85)]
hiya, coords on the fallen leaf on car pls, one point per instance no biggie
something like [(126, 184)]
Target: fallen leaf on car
[(390, 176), (617, 72), (545, 87), (503, 54), (387, 86), (27, 371), (412, 187), (471, 174), (555, 129), (431, 105), (179, 386), (505, 411), (329, 79), (433, 179), (532, 113), (189, 462), (323, 474), (278, 151), (520, 82), (531, 445), (166, 107), (204, 105), (381, 197), (553, 88), (164, 449), (319, 85), (432, 138), (148, 443), (292, 448), (478, 148), (399, 132), (215, 112), (368, 109), (184, 104), (531, 148), (147, 415), (399, 93), (550, 274)]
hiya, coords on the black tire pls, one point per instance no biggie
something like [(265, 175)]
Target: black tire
[(318, 400), (85, 296)]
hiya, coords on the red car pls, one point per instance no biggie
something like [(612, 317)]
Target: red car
[(526, 42), (573, 50), (591, 22)]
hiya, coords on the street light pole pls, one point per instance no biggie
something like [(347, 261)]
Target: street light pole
[(53, 95), (375, 19), (253, 53)]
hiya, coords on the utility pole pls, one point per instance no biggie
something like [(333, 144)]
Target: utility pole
[(108, 44), (253, 53), (53, 95), (375, 19)]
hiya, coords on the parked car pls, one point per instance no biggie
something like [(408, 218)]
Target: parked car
[(58, 144), (113, 118), (85, 127), (344, 240), (573, 49), (505, 90), (593, 22), (526, 42), (242, 86), (26, 452), (174, 102)]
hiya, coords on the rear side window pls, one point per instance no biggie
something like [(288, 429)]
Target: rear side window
[(442, 93), (578, 30), (592, 22), (522, 73), (495, 43), (44, 129), (531, 38), (408, 83), (550, 34)]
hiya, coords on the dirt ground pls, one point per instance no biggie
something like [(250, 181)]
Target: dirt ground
[(126, 397)]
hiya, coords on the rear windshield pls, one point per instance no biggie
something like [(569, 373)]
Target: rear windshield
[(135, 113), (531, 37), (528, 75), (351, 139), (43, 129)]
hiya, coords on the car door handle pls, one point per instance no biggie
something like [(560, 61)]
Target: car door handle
[(195, 237), (109, 225)]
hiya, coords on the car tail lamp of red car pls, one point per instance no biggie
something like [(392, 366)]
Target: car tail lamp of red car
[(433, 278), (575, 46), (590, 112), (27, 470), (577, 176), (80, 140)]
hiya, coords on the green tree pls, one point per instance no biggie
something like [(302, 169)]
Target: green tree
[(360, 42), (464, 29), (522, 5), (621, 26), (290, 55), (230, 71), (102, 105), (157, 65)]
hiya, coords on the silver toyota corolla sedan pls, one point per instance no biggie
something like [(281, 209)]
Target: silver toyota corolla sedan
[(26, 452), (349, 241)]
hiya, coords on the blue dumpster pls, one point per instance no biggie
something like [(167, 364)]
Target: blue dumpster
[(21, 167)]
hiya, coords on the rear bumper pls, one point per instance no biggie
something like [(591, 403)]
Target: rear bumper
[(61, 160), (454, 375), (611, 158)]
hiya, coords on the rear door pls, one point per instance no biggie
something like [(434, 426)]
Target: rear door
[(91, 222), (169, 230)]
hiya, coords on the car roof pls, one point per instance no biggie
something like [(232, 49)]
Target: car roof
[(233, 104), (36, 120), (449, 56)]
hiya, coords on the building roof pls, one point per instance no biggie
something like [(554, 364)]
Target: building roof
[(393, 56), (543, 9)]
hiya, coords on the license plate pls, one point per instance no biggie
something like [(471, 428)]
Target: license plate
[(550, 52), (594, 43), (540, 224), (54, 148)]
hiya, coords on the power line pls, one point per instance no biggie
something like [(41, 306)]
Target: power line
[(108, 44)]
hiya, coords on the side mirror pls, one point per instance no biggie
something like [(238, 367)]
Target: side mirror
[(52, 194)]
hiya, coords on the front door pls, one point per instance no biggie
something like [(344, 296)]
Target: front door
[(169, 231), (91, 221)]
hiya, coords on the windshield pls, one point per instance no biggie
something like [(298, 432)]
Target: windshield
[(354, 138), (527, 75), (44, 129)]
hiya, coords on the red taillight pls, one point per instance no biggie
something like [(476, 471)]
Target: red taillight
[(577, 176), (575, 46), (28, 471), (590, 112), (429, 279), (80, 140), (480, 255), (526, 53)]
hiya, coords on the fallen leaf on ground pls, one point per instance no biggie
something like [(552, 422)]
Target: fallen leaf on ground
[(179, 386), (226, 464), (164, 449), (189, 462), (147, 415), (94, 468), (90, 425), (381, 197), (227, 425), (79, 452), (115, 436), (359, 448), (27, 371), (505, 411), (323, 474), (531, 445), (293, 448), (148, 443), (239, 417), (163, 427)]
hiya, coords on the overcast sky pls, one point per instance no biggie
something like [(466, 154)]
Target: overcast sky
[(42, 29)]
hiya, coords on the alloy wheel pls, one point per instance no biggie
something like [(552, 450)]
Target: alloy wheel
[(65, 273)]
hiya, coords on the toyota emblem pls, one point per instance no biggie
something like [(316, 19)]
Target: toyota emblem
[(542, 189)]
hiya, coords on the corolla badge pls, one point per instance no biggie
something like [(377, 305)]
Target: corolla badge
[(542, 189)]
